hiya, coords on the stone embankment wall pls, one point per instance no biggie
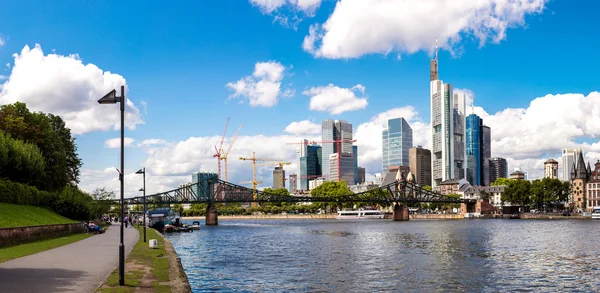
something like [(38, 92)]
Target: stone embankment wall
[(437, 216), (177, 278), (20, 235), (279, 216)]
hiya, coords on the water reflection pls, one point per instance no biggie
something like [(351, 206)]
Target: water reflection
[(425, 256)]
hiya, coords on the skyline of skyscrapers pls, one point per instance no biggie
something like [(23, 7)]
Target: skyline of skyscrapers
[(396, 139)]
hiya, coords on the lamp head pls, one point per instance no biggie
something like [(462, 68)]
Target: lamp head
[(140, 171), (110, 98), (141, 189)]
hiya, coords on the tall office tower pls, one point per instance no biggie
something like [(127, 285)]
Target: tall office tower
[(419, 160), (310, 166), (396, 139), (361, 175), (569, 157), (300, 152), (498, 169), (345, 170), (355, 153), (292, 186), (278, 178), (474, 152), (335, 130), (486, 148), (448, 132)]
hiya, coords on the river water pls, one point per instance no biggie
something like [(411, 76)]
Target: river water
[(381, 255)]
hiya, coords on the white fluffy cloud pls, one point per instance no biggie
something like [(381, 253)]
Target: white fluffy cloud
[(357, 28), (114, 143), (263, 87), (303, 127), (63, 85), (288, 13), (152, 142), (336, 100), (2, 42)]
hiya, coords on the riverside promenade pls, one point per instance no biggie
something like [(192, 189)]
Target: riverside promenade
[(77, 267)]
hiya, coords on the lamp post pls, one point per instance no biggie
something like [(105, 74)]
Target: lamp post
[(111, 98), (143, 172)]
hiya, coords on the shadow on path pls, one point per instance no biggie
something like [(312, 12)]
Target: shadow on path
[(38, 280)]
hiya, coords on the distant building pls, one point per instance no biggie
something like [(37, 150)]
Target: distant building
[(200, 184), (361, 175), (395, 169), (186, 192), (593, 187), (378, 179), (454, 186), (517, 174), (580, 177), (478, 150), (498, 169), (419, 162), (278, 178), (312, 184), (486, 147), (292, 186), (332, 130), (569, 162), (396, 139), (342, 170), (494, 192), (551, 169), (310, 165), (355, 153)]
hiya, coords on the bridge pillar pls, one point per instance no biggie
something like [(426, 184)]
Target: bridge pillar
[(400, 212), (211, 215)]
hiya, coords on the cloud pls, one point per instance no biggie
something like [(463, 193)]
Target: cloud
[(2, 41), (65, 86), (303, 127), (288, 13), (336, 100), (263, 87), (357, 28), (114, 143), (152, 142)]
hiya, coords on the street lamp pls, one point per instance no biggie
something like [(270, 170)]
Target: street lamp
[(143, 171), (111, 98)]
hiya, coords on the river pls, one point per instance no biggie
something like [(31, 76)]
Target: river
[(382, 255)]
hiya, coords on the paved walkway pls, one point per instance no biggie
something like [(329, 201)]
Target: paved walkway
[(78, 267)]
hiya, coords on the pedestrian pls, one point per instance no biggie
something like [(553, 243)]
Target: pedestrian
[(125, 221)]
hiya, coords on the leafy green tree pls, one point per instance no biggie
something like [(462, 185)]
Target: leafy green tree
[(484, 195), (501, 181), (427, 187), (178, 208), (334, 190), (517, 192), (102, 201)]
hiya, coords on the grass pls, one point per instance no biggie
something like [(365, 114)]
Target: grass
[(13, 252), (14, 215), (144, 268)]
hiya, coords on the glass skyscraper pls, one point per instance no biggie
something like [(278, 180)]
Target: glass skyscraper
[(396, 139), (355, 152), (310, 166), (474, 141), (334, 130)]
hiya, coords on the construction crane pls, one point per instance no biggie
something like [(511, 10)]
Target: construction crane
[(338, 143), (224, 156), (254, 159), (219, 150)]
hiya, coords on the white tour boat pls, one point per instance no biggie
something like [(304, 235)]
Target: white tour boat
[(365, 214), (596, 213)]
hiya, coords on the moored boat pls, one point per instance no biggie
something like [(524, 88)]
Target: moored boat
[(364, 214), (596, 213), (195, 225)]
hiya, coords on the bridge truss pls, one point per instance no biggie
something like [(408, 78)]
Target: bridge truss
[(218, 191)]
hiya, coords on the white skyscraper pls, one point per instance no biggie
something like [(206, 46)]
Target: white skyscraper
[(335, 130), (569, 156), (448, 111)]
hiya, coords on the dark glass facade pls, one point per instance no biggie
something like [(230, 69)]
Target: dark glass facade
[(310, 165), (474, 151)]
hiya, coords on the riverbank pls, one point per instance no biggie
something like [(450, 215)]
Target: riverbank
[(525, 216)]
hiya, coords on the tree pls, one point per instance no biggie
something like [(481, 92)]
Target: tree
[(333, 190), (517, 192), (427, 187), (178, 208), (102, 203), (484, 195), (501, 181)]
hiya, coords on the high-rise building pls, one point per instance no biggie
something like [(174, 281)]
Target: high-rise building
[(310, 166), (396, 139), (355, 153), (498, 169), (361, 175), (486, 147), (569, 157), (448, 132), (278, 178), (344, 170), (292, 185), (419, 161), (474, 139), (551, 169), (335, 130), (200, 184)]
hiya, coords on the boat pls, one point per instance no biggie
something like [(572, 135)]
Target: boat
[(195, 225), (364, 214), (596, 213)]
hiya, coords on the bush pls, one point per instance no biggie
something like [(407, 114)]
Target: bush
[(69, 202)]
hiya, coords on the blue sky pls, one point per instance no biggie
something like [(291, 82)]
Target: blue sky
[(177, 58)]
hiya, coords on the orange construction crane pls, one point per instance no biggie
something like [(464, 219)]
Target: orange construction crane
[(224, 156), (338, 142), (219, 150), (254, 159)]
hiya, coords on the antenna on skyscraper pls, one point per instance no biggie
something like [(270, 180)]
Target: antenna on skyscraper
[(436, 49), (473, 104)]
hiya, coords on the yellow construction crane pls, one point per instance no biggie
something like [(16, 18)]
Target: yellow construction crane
[(224, 155), (254, 159)]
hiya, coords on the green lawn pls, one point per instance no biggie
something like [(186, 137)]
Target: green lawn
[(14, 215), (144, 268), (12, 252)]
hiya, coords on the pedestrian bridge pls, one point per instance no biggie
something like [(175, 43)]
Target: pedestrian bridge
[(398, 193)]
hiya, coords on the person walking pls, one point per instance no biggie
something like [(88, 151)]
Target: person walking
[(126, 221)]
